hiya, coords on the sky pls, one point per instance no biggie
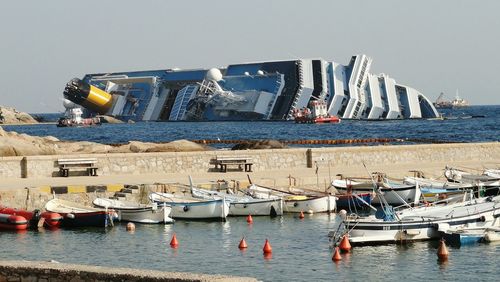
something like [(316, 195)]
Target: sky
[(433, 46)]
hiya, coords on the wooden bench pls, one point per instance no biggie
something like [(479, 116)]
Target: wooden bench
[(89, 164), (221, 163)]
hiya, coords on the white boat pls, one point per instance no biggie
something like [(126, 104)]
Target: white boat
[(295, 203), (433, 183), (492, 173), (78, 215), (310, 204), (424, 224), (395, 194), (135, 212), (191, 208), (241, 205), (458, 175), (492, 235)]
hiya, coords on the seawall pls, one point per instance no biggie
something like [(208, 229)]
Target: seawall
[(264, 160), (51, 271)]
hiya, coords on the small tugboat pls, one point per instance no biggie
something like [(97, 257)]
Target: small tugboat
[(315, 113), (73, 117)]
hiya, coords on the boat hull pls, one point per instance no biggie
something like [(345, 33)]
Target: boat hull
[(135, 212), (410, 194), (311, 205), (76, 215), (273, 207), (191, 209), (146, 215)]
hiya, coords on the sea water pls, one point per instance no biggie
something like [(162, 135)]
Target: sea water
[(472, 124), (301, 251)]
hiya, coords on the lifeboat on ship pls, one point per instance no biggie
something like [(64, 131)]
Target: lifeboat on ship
[(50, 219), (13, 222), (315, 113)]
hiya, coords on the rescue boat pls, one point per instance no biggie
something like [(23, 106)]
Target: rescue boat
[(50, 219), (12, 222), (316, 113)]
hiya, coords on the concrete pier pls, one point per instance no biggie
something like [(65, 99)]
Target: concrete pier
[(54, 271)]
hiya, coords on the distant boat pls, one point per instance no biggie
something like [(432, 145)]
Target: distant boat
[(459, 102), (441, 103)]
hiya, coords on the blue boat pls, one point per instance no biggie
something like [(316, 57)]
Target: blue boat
[(352, 203), (459, 238)]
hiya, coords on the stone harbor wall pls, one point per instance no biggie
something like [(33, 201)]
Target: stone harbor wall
[(264, 160), (60, 272)]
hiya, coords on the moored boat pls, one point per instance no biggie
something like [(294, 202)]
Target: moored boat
[(394, 194), (241, 205), (310, 204), (77, 215), (135, 212), (422, 223), (192, 208), (49, 219)]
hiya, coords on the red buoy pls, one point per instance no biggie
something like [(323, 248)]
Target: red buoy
[(249, 219), (345, 246), (442, 252), (301, 215), (267, 247), (243, 244), (336, 255), (173, 243)]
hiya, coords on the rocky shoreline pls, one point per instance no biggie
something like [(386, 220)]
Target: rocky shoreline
[(12, 116)]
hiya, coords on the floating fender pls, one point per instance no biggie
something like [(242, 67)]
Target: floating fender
[(185, 208), (295, 204), (13, 222), (52, 219)]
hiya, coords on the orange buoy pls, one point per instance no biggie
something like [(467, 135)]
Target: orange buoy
[(249, 219), (345, 246), (130, 226), (267, 248), (243, 244), (174, 243), (301, 215), (442, 252), (336, 255)]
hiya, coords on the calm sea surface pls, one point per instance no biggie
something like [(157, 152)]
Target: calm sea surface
[(462, 129), (301, 249)]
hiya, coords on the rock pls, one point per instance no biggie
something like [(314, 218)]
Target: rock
[(14, 144), (261, 144), (178, 146), (12, 116), (110, 119)]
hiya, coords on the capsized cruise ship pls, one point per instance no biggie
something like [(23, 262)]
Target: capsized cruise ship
[(270, 90)]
